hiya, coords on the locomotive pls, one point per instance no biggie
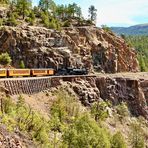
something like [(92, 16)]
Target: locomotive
[(41, 72)]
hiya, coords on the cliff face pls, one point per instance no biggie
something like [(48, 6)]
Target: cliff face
[(115, 89), (77, 47)]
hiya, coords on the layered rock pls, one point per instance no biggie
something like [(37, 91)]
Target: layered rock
[(114, 89), (88, 47)]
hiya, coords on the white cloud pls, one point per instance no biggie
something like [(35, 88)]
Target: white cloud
[(120, 11)]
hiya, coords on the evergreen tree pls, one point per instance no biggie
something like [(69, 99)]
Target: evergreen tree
[(92, 13), (47, 5), (79, 12), (60, 11), (23, 7)]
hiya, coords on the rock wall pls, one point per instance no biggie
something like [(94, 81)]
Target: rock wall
[(87, 47), (116, 90)]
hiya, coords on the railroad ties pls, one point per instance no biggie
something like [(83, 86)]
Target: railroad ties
[(31, 85), (27, 86)]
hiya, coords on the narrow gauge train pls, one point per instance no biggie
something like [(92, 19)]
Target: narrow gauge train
[(40, 72)]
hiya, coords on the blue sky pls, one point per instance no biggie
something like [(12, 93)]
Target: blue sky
[(114, 12)]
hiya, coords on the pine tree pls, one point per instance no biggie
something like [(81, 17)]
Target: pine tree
[(23, 7), (92, 13), (47, 5)]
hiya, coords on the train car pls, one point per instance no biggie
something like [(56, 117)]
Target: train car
[(18, 72), (39, 72), (3, 73), (51, 72)]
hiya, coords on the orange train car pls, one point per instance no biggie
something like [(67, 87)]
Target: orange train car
[(39, 72), (42, 72), (51, 72), (26, 72), (18, 72), (3, 73)]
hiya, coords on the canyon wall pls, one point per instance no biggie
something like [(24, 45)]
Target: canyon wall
[(88, 47)]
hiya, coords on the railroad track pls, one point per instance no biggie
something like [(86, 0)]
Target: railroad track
[(45, 77), (31, 85), (126, 75)]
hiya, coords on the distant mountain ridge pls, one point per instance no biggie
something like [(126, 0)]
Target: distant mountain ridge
[(141, 29)]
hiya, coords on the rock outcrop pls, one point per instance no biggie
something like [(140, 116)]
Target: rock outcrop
[(114, 89), (88, 47)]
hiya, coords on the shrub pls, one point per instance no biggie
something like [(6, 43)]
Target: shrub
[(137, 136), (31, 18), (99, 110), (85, 132), (22, 65), (118, 141), (7, 105), (45, 18), (12, 20), (65, 107), (5, 59), (122, 110)]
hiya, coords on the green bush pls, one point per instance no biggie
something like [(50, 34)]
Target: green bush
[(5, 59), (117, 141), (122, 110), (22, 117), (22, 65), (99, 111), (7, 105), (136, 136), (65, 107), (85, 132), (12, 21), (31, 18)]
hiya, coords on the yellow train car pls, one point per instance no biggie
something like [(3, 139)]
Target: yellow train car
[(39, 72), (3, 73), (18, 72), (50, 72)]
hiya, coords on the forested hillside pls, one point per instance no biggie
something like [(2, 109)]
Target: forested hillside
[(46, 14), (141, 29), (141, 45)]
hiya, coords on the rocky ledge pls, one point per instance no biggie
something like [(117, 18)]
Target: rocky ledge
[(89, 47), (130, 88)]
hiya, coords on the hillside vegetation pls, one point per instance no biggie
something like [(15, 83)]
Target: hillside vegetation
[(46, 14), (141, 29), (69, 124), (140, 43)]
